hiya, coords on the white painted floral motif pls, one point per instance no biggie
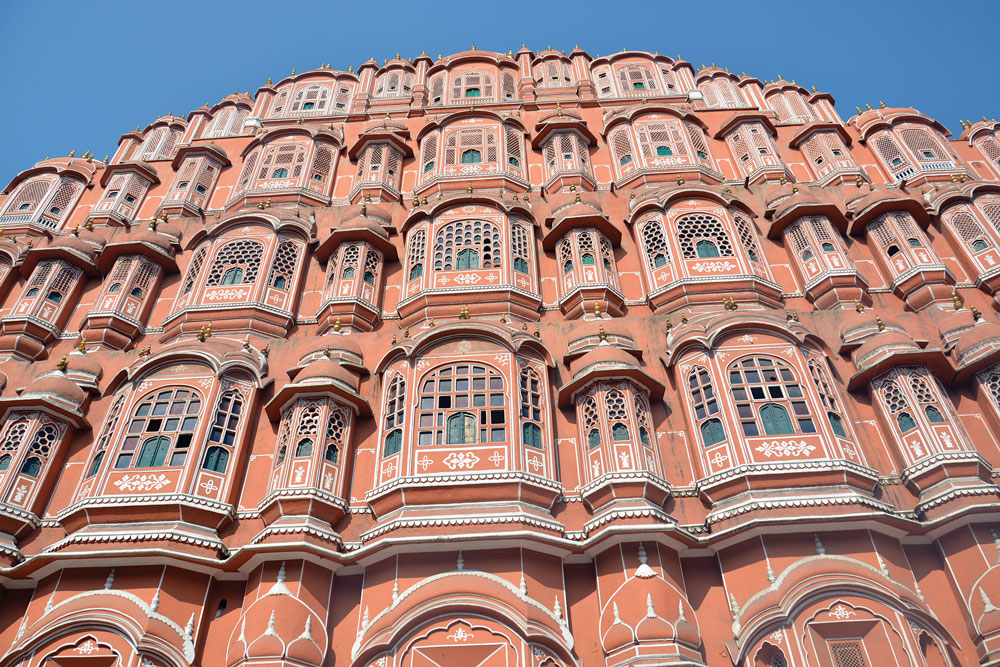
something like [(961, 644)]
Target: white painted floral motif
[(461, 460), (227, 294), (327, 481), (719, 459), (624, 459), (785, 448), (144, 482), (460, 635), (22, 490), (425, 462), (535, 463), (498, 458), (88, 647), (468, 278), (209, 486), (713, 267), (841, 612)]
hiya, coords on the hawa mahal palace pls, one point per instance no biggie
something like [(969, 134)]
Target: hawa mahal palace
[(492, 360)]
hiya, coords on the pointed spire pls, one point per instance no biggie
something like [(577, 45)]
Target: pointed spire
[(986, 601), (243, 631), (523, 586), (680, 611), (644, 571), (557, 610), (154, 604), (650, 612), (395, 591), (50, 602), (820, 549), (189, 628), (882, 565), (109, 582), (364, 619), (460, 563), (770, 573), (614, 612), (307, 632), (270, 626), (279, 587)]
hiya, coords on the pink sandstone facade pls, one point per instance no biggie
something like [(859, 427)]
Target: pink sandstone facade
[(533, 359)]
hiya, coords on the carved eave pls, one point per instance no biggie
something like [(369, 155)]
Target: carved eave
[(629, 113), (141, 168), (874, 120), (341, 348), (514, 340), (154, 252), (331, 134), (66, 410), (978, 347), (944, 195), (13, 250), (288, 222), (390, 134), (781, 86), (442, 204), (819, 126), (172, 122), (620, 55), (193, 150), (742, 117), (661, 198), (933, 358), (865, 209), (221, 355), (787, 210), (233, 99), (564, 122), (316, 386), (706, 73), (705, 331), (81, 169), (443, 121), (83, 260), (575, 216), (606, 362), (474, 55), (357, 229), (972, 132), (330, 74)]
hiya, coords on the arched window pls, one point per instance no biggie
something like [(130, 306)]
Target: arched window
[(707, 249), (655, 241), (767, 395), (471, 146), (216, 459), (283, 269), (304, 448), (614, 405), (706, 406), (395, 410), (472, 84), (415, 254), (335, 427), (194, 268), (828, 398), (592, 423), (621, 146), (700, 233), (519, 241), (481, 239), (222, 434), (107, 430), (236, 263), (531, 408), (163, 421), (462, 404), (748, 238)]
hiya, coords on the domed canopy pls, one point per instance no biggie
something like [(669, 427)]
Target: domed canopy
[(606, 361), (81, 249), (324, 375)]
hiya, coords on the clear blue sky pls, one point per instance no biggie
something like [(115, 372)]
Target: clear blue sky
[(79, 74)]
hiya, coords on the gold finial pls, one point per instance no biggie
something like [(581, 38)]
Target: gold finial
[(577, 200), (76, 231), (814, 89), (795, 189), (538, 334), (559, 111), (72, 153), (684, 319), (423, 200), (350, 69), (406, 332), (880, 323), (293, 71), (730, 303), (976, 315), (792, 315), (670, 325), (62, 365), (82, 345), (364, 209), (524, 326), (430, 322), (868, 106), (144, 352), (89, 225), (631, 195), (503, 318), (468, 188), (783, 180), (882, 104), (246, 342), (105, 160), (956, 299), (572, 188), (269, 81), (597, 310), (267, 202), (327, 352), (368, 197), (463, 313), (90, 157), (266, 350), (152, 224), (397, 55), (510, 54), (858, 307), (393, 339), (858, 181), (600, 333), (961, 177), (859, 110), (301, 120), (680, 180), (336, 325), (416, 201)]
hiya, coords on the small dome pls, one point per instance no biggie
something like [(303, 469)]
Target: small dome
[(155, 239), (280, 625), (327, 368), (57, 386), (975, 340), (86, 364), (617, 636), (603, 356), (881, 345), (363, 222), (654, 628), (79, 245)]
